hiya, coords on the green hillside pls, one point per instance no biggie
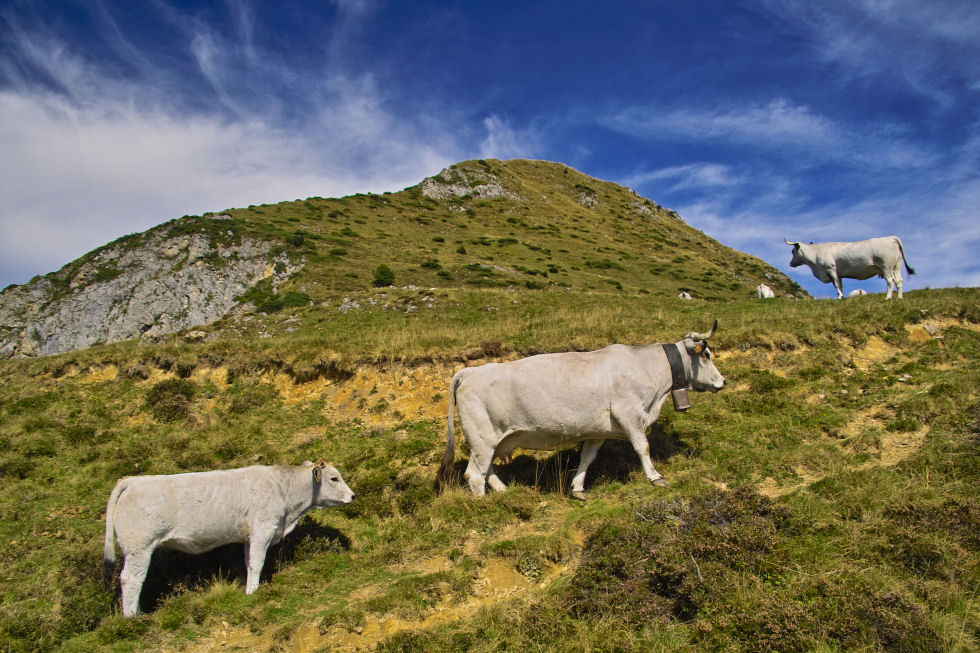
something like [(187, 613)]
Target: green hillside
[(486, 224), (825, 500), (477, 226)]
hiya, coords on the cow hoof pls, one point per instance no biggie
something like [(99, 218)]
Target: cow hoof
[(660, 482), (578, 495)]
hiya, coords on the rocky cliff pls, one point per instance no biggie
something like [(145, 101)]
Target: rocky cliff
[(145, 285)]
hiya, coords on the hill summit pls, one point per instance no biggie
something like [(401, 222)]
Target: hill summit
[(519, 224)]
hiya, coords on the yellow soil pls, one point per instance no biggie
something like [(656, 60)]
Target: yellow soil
[(157, 375), (874, 351), (98, 374), (218, 376)]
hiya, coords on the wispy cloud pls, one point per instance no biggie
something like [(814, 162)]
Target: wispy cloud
[(690, 176), (927, 45), (777, 126), (504, 142), (89, 156)]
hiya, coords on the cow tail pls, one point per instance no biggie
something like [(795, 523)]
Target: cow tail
[(109, 551), (902, 250), (450, 456)]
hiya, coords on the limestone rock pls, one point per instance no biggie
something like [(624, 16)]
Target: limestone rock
[(461, 181), (145, 286)]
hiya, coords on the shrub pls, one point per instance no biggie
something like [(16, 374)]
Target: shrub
[(383, 276), (170, 400), (247, 398), (674, 557), (77, 434), (290, 299)]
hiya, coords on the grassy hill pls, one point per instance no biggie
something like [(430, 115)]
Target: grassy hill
[(528, 225), (826, 500), (490, 223)]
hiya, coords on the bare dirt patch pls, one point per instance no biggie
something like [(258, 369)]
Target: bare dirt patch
[(377, 395), (771, 488), (156, 375), (498, 581), (100, 374), (217, 376), (896, 447), (875, 350)]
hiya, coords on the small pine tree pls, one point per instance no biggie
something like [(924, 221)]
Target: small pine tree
[(383, 276)]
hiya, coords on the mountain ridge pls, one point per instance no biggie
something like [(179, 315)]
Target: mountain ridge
[(518, 224)]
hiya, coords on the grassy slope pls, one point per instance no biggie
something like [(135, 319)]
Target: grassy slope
[(825, 500), (555, 227)]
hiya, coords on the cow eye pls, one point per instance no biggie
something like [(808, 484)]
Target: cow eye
[(334, 479)]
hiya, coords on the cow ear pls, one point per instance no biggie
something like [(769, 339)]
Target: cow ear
[(317, 474), (693, 347)]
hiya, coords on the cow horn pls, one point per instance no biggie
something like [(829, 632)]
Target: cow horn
[(789, 243), (704, 336)]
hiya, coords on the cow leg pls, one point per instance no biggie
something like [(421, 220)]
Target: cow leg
[(478, 469), (482, 438), (494, 481), (895, 281), (255, 560), (589, 450), (637, 437), (891, 286), (131, 579), (503, 452), (838, 284)]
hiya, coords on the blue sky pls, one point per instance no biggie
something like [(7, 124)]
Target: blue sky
[(756, 120)]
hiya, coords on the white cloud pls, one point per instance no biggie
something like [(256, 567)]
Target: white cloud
[(777, 126), (504, 142), (779, 121), (690, 176), (923, 44), (90, 155), (75, 177)]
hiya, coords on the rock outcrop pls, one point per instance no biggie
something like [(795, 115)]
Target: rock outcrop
[(465, 181), (151, 284)]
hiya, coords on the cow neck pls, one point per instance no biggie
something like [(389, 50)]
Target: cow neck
[(295, 487), (678, 373)]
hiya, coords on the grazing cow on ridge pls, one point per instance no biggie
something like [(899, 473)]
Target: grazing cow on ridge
[(550, 400), (200, 511), (857, 292), (762, 291), (684, 295), (862, 259)]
